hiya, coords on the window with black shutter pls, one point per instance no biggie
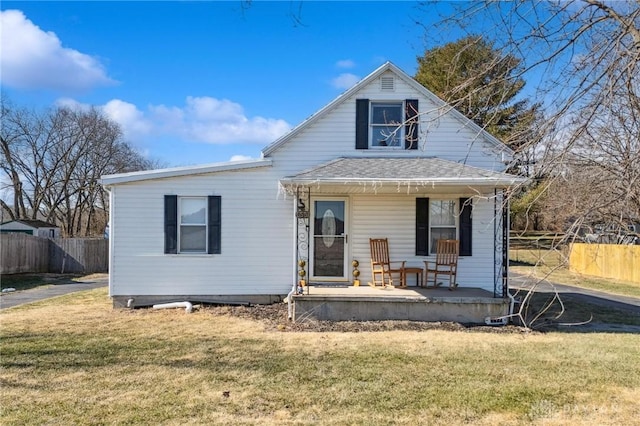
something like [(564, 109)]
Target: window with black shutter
[(387, 124), (192, 225), (443, 219)]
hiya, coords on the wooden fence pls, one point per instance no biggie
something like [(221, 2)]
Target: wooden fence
[(616, 261), (22, 253)]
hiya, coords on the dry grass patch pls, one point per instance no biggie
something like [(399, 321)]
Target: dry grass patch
[(75, 360), (551, 265)]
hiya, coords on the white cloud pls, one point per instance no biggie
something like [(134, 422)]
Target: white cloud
[(345, 81), (211, 120), (130, 118), (34, 59), (201, 119), (132, 121), (345, 63), (72, 104)]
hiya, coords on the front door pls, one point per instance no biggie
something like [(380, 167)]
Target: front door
[(329, 239)]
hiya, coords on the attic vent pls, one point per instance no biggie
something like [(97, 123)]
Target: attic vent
[(387, 84)]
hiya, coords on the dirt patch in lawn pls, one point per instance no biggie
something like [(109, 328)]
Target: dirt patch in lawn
[(572, 315), (275, 317)]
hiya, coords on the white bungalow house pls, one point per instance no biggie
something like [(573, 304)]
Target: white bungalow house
[(37, 228), (387, 158)]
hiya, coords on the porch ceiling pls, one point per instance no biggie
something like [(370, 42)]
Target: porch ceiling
[(410, 174)]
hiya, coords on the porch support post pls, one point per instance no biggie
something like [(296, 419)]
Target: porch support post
[(506, 227), (302, 208), (501, 243)]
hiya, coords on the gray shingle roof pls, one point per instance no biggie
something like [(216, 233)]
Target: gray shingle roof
[(432, 170), (33, 223)]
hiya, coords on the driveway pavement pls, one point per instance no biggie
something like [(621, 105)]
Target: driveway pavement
[(600, 298), (8, 300), (519, 281)]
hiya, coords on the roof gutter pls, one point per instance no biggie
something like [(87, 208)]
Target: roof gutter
[(183, 171), (497, 182)]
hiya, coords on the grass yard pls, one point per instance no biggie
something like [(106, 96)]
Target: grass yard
[(75, 360), (552, 265)]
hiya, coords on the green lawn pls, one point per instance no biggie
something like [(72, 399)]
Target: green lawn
[(75, 360)]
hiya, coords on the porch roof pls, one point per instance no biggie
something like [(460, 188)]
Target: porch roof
[(378, 171)]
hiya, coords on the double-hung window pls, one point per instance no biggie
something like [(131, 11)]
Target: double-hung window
[(192, 237), (386, 125), (443, 219), (391, 124), (442, 222), (192, 225)]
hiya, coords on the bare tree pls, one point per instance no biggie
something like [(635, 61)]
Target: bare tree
[(52, 161), (582, 58), (476, 79)]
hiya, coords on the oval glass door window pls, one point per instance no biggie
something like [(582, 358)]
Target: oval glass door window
[(329, 240), (328, 228)]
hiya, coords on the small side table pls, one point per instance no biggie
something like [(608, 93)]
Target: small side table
[(414, 270)]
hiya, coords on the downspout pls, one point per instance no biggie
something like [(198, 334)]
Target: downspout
[(505, 319)]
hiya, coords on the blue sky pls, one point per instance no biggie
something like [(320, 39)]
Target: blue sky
[(201, 82)]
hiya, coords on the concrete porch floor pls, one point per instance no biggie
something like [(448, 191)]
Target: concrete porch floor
[(410, 291), (365, 303)]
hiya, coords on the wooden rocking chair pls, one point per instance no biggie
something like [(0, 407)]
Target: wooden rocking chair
[(446, 263), (381, 266)]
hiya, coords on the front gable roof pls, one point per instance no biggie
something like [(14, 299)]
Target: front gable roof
[(388, 66)]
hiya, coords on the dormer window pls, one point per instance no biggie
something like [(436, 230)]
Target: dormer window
[(387, 124)]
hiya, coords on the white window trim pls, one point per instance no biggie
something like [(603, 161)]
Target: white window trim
[(456, 226), (400, 130), (206, 225)]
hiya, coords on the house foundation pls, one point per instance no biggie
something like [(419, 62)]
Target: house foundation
[(247, 299), (464, 305)]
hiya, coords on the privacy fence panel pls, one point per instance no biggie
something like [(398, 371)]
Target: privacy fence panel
[(78, 255), (616, 261), (21, 253)]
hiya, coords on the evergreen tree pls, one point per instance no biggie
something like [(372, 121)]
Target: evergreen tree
[(481, 83)]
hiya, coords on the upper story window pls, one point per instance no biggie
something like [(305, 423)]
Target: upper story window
[(386, 125)]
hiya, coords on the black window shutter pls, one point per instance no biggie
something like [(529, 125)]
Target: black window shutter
[(362, 123), (215, 202), (171, 224), (422, 226), (465, 226), (411, 128)]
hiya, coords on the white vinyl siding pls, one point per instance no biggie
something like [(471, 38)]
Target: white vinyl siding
[(250, 206), (256, 215), (332, 136), (393, 217)]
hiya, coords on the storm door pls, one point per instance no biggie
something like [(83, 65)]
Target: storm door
[(329, 239)]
